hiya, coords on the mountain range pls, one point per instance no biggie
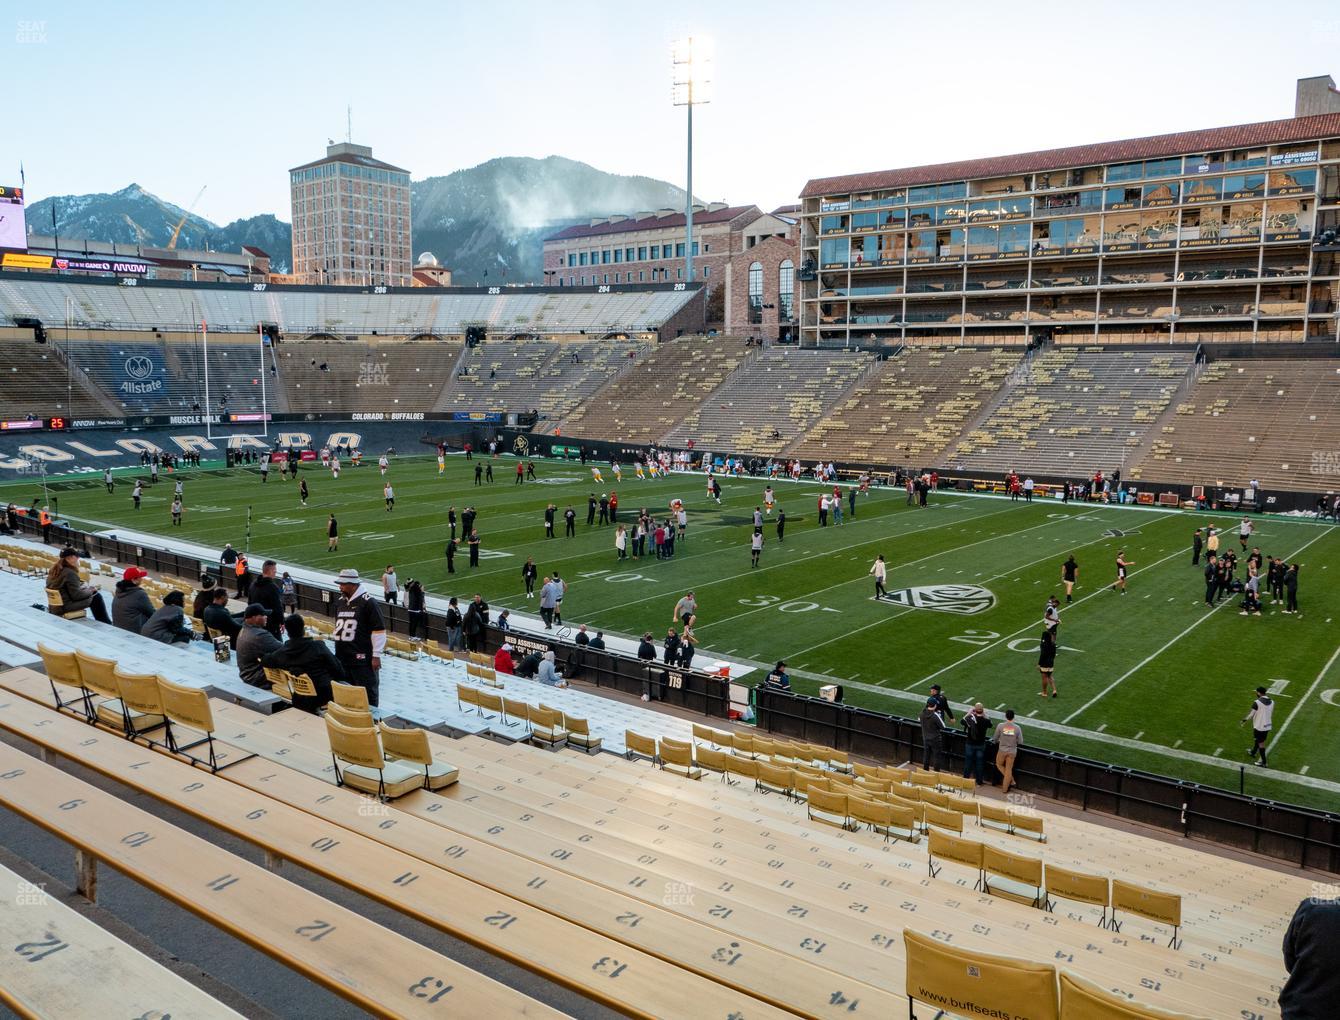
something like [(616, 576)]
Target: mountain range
[(485, 223)]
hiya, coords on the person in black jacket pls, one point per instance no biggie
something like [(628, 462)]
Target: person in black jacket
[(529, 571), (646, 653), (549, 513), (1291, 587), (672, 646), (217, 618), (265, 590), (454, 620), (932, 736), (168, 624), (1313, 986), (1211, 578), (414, 607), (976, 728), (942, 703), (301, 654), (472, 625), (131, 607), (452, 546)]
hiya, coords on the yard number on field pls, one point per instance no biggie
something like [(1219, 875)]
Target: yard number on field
[(773, 601)]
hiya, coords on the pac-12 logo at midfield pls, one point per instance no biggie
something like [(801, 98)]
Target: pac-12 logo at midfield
[(963, 599)]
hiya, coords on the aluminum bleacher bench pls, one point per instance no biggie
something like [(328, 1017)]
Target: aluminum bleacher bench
[(371, 966), (59, 963)]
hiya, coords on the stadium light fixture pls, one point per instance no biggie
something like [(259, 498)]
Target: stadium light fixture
[(692, 59)]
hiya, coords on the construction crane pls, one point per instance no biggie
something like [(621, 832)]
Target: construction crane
[(172, 244)]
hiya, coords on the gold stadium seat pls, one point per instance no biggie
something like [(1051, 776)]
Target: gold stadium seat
[(365, 767), (62, 669), (349, 716), (141, 701), (1161, 907), (1000, 985), (411, 745)]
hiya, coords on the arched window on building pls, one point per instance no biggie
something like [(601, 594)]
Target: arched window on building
[(786, 285), (756, 292)]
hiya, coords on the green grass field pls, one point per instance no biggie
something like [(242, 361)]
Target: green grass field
[(1152, 679)]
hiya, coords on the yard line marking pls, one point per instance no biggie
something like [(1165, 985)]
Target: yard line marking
[(1138, 735), (1000, 706), (1101, 728), (1030, 626), (1154, 655), (1177, 744), (1032, 713), (1216, 752), (839, 584), (1303, 770), (1279, 733)]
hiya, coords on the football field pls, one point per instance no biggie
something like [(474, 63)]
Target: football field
[(1154, 679)]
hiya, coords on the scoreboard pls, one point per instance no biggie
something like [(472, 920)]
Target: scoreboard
[(57, 424), (13, 227)]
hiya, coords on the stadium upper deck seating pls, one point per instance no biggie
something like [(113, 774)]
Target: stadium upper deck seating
[(36, 379), (341, 312), (1248, 419), (527, 374), (160, 376), (365, 375), (1075, 411), (644, 404), (770, 401), (911, 409)]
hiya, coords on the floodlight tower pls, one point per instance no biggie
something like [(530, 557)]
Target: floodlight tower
[(691, 61)]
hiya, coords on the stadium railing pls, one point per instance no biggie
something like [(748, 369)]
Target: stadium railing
[(1306, 837)]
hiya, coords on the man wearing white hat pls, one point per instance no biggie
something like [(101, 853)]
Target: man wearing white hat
[(360, 633)]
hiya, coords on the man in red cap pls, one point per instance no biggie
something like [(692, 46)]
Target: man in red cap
[(131, 607)]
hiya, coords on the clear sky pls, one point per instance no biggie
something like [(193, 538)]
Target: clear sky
[(230, 95)]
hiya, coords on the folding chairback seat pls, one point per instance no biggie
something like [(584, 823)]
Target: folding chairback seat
[(711, 760), (359, 763), (62, 670), (490, 702), (514, 711), (350, 696), (99, 676), (829, 808), (411, 745), (677, 756), (188, 708), (1024, 872), (579, 734), (279, 682), (639, 746), (349, 716), (546, 728), (54, 603), (737, 766), (775, 778), (141, 700)]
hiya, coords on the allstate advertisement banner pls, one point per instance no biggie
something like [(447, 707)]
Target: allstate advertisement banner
[(141, 374)]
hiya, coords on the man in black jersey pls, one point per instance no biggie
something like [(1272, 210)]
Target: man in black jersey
[(359, 634)]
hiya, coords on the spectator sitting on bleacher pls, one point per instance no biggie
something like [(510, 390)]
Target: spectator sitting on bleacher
[(549, 674), (302, 654), (75, 595), (203, 597), (217, 618), (502, 660), (253, 644), (131, 608), (528, 666), (168, 624), (598, 642)]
